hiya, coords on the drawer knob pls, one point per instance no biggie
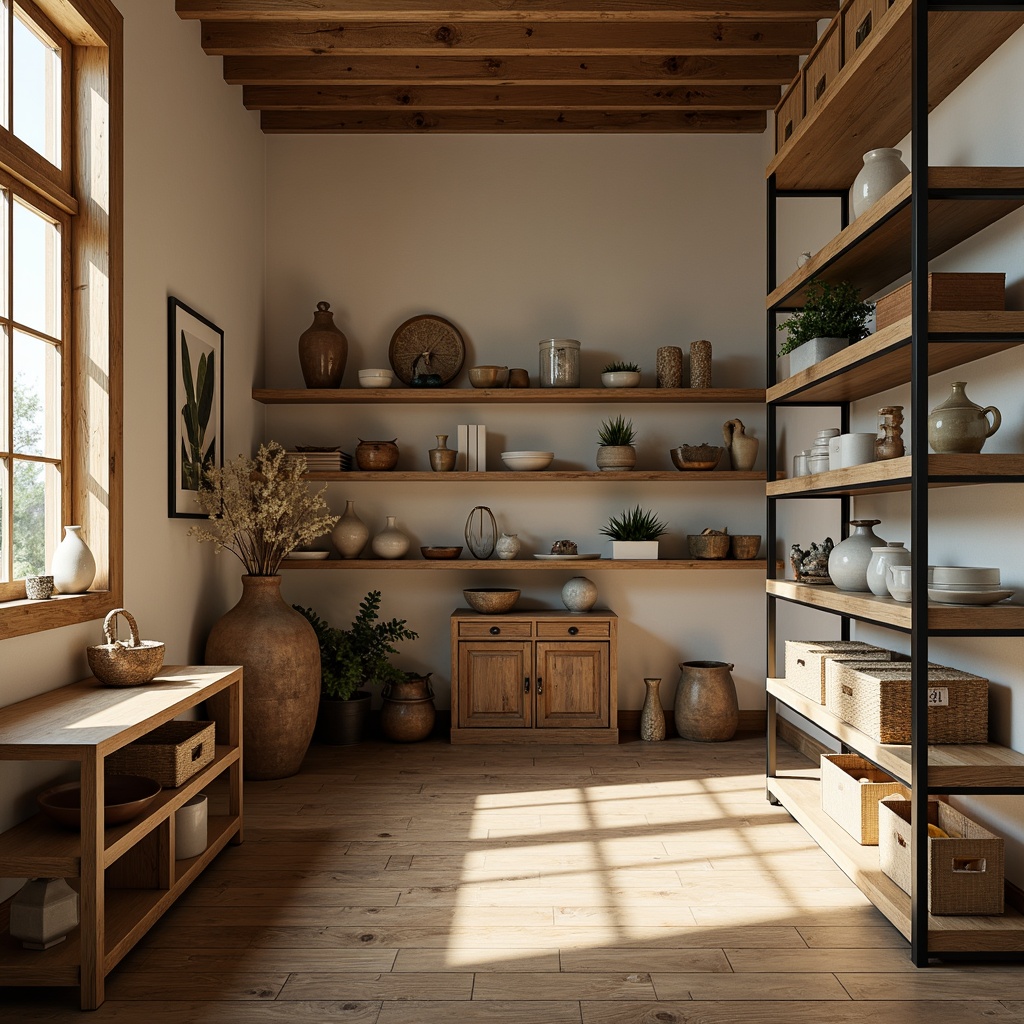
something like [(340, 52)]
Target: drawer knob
[(495, 630), (573, 630)]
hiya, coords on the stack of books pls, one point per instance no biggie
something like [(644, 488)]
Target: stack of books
[(472, 445), (323, 460)]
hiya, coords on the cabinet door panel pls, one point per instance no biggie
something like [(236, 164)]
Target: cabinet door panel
[(492, 685), (572, 686)]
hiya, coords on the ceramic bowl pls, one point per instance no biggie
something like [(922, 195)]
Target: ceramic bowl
[(375, 378), (527, 461), (439, 552), (621, 379), (491, 600), (964, 574), (744, 545), (708, 545), (696, 456), (964, 586), (488, 376), (125, 798)]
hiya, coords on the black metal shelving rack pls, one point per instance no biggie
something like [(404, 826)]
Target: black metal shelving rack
[(918, 629)]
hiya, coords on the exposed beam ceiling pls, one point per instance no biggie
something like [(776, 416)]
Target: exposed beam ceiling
[(316, 66)]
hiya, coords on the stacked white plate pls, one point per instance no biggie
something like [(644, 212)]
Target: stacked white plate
[(965, 584), (527, 461)]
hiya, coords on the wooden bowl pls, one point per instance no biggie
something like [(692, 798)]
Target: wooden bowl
[(696, 456), (488, 376), (744, 545), (708, 545), (437, 552), (491, 600), (125, 798)]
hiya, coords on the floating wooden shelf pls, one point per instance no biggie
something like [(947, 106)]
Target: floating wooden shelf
[(875, 249), (969, 764), (882, 360), (826, 150), (505, 396), (800, 794), (572, 565), (543, 476)]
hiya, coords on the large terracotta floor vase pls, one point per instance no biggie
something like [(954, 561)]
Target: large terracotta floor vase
[(279, 653)]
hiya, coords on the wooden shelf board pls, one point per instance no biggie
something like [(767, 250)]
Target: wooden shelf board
[(503, 396), (543, 476), (572, 565), (799, 793), (827, 147), (969, 764), (882, 360), (874, 250)]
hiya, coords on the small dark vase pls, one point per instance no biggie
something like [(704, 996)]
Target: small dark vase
[(706, 707), (342, 723), (323, 350), (408, 714)]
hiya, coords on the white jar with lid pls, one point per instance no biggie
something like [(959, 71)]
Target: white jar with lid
[(559, 363)]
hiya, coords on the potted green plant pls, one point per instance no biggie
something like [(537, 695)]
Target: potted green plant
[(634, 533), (616, 449), (620, 375), (832, 317), (351, 660)]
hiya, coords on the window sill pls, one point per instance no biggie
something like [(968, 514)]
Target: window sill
[(21, 617)]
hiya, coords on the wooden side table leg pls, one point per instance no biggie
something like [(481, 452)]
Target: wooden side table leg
[(235, 771), (92, 931)]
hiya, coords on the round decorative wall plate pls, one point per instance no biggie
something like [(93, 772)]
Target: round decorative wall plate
[(433, 338)]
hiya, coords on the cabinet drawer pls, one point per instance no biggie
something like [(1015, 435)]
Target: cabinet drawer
[(821, 67), (789, 113), (506, 629), (579, 629)]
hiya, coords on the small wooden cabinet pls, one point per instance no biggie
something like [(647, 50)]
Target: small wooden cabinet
[(534, 677)]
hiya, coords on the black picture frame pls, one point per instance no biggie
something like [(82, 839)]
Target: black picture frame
[(195, 403)]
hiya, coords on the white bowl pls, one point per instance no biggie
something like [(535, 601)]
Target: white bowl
[(375, 378), (621, 379), (981, 587), (964, 574), (527, 461)]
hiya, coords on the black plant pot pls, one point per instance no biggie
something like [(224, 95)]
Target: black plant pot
[(343, 722)]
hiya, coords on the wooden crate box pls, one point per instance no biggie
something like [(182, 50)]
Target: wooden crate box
[(945, 292), (851, 788), (822, 66)]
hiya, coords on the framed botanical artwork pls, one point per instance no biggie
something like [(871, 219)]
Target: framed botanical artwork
[(196, 405)]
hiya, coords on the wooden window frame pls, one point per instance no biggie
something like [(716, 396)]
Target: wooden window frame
[(89, 187)]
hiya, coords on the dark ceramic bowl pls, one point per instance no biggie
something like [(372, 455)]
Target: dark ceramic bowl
[(125, 798), (696, 456), (708, 545), (434, 552)]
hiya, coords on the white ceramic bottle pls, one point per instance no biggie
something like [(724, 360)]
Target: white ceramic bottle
[(893, 553), (848, 562), (74, 567), (391, 542), (350, 534), (883, 170)]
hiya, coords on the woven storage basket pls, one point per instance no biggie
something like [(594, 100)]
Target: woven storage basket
[(172, 753), (965, 872), (805, 662), (852, 803), (875, 698)]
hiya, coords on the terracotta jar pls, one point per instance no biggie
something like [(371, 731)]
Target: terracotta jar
[(706, 706), (377, 455), (408, 711), (323, 350)]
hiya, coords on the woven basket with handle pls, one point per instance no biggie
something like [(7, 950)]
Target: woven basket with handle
[(124, 663)]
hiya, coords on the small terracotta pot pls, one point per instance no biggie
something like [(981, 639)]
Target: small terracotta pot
[(377, 455)]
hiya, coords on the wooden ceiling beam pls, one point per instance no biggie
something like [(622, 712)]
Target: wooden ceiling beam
[(510, 97), (298, 39), (525, 69), (534, 121), (506, 10)]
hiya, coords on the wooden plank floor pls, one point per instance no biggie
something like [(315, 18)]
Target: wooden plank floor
[(637, 884)]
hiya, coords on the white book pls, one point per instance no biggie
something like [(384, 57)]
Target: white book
[(462, 444), (481, 447), (471, 449)]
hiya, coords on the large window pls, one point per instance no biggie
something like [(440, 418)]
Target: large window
[(60, 294)]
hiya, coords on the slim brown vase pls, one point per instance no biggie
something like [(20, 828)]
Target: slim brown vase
[(280, 657), (706, 707), (323, 350)]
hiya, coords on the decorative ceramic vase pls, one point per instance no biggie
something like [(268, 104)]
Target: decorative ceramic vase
[(706, 707), (890, 423), (43, 911), (652, 717), (883, 170), (481, 532), (669, 366), (893, 553), (280, 655), (957, 424), (391, 542), (700, 364), (323, 350), (190, 828), (442, 458), (350, 534), (73, 567), (376, 455), (848, 562), (742, 447), (341, 723), (408, 712), (616, 457), (579, 594), (507, 546)]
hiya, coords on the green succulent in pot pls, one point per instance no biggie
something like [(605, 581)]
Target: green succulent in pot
[(635, 524)]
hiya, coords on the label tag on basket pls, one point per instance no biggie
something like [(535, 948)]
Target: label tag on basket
[(938, 696)]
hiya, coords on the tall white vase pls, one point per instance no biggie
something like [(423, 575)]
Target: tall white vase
[(883, 170), (73, 567)]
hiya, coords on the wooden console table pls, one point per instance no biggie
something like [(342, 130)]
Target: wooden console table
[(128, 874)]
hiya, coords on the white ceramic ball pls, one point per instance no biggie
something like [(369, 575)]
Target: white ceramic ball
[(579, 594)]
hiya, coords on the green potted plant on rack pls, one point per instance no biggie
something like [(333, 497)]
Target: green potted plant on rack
[(832, 317), (616, 449), (351, 661), (620, 375), (634, 533)]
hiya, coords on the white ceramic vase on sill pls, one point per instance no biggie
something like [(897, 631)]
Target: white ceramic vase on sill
[(73, 568)]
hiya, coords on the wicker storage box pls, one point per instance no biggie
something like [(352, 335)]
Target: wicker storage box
[(805, 662), (172, 753), (875, 698), (965, 872), (789, 113), (822, 66), (852, 803), (945, 291)]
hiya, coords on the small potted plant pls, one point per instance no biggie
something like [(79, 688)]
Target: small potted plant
[(616, 449), (832, 317), (634, 533), (351, 660), (620, 375)]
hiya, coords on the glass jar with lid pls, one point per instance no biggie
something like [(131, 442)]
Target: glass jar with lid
[(559, 363)]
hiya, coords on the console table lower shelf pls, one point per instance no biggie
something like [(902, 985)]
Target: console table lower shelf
[(800, 793)]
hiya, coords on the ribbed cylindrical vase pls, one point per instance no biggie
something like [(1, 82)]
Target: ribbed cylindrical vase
[(280, 656), (652, 717), (706, 707)]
